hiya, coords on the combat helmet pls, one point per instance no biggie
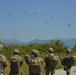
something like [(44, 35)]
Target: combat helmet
[(68, 50), (35, 52), (16, 51), (50, 50), (1, 47)]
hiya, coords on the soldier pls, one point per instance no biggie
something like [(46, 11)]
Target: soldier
[(51, 61), (16, 63), (68, 61), (34, 62), (3, 61)]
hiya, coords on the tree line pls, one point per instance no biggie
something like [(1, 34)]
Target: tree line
[(57, 45)]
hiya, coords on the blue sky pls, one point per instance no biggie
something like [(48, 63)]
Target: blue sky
[(14, 23)]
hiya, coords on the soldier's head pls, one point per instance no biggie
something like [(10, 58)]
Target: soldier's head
[(16, 51), (50, 50), (1, 47), (35, 53), (68, 50)]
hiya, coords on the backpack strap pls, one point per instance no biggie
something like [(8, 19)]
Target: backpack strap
[(36, 61), (15, 60)]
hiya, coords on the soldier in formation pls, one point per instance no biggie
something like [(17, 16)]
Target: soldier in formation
[(34, 62), (16, 63), (68, 61), (51, 61), (3, 61)]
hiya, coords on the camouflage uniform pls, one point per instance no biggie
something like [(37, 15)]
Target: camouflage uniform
[(3, 61), (16, 70), (50, 62), (68, 61), (35, 67)]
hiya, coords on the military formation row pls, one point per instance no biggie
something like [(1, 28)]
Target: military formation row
[(35, 62)]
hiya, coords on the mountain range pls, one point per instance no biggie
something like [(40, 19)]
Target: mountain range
[(68, 42)]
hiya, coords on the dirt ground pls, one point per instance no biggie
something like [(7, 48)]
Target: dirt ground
[(62, 72)]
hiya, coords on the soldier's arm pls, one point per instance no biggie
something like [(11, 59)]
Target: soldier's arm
[(46, 59), (21, 61), (74, 57), (41, 61), (4, 60)]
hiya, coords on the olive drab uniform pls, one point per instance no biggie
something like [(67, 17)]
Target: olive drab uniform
[(3, 64), (51, 61), (68, 61), (16, 64), (34, 63), (3, 61)]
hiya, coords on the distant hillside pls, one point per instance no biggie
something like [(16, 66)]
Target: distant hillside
[(9, 41), (38, 41), (68, 42)]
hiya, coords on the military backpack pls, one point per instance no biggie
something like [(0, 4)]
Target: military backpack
[(34, 64), (68, 61), (15, 62)]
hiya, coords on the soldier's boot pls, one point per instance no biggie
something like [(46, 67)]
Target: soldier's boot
[(67, 73), (47, 72), (11, 73), (52, 72)]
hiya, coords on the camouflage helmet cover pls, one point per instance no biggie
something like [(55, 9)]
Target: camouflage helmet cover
[(1, 47), (16, 51), (51, 55), (68, 50), (50, 50), (35, 52)]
